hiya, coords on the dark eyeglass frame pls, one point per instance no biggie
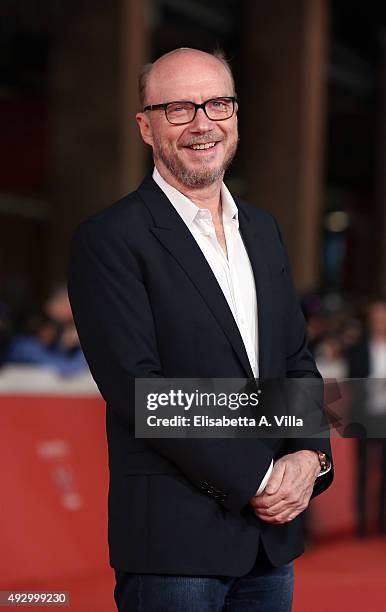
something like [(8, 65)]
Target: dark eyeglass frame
[(164, 106)]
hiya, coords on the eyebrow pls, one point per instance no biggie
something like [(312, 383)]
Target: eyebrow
[(187, 100)]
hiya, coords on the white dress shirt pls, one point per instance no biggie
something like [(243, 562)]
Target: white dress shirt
[(233, 273), (377, 378), (377, 358)]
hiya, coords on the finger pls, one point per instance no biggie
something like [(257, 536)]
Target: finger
[(281, 518), (278, 509), (275, 478), (264, 502), (281, 506), (284, 493), (293, 501), (290, 498), (291, 487), (282, 513)]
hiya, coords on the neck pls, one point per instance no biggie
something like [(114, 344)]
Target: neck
[(204, 197)]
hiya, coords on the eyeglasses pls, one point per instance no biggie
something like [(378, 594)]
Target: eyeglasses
[(178, 113)]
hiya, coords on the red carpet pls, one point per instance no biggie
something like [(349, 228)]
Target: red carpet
[(345, 576), (342, 576), (53, 523)]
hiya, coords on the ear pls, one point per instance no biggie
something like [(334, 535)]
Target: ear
[(145, 128)]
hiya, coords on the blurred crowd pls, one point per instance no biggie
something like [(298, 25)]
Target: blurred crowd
[(38, 333), (339, 331), (349, 342), (338, 328)]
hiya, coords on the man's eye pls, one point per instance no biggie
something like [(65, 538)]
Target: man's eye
[(220, 104), (177, 108)]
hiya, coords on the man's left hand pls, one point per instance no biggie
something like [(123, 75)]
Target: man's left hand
[(288, 489)]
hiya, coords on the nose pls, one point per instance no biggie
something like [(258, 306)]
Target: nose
[(201, 122)]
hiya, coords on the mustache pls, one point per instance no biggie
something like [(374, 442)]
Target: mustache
[(202, 139)]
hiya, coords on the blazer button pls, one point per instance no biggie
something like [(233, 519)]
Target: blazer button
[(219, 491), (221, 497)]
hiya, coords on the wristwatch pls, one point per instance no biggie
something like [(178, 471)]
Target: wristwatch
[(324, 462)]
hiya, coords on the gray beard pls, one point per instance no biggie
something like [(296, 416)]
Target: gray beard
[(202, 177)]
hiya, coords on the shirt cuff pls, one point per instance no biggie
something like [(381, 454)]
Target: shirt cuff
[(265, 479)]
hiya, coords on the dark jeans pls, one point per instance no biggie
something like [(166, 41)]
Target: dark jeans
[(264, 589)]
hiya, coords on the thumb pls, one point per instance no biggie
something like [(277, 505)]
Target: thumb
[(275, 478)]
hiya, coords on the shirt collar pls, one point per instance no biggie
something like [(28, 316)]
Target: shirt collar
[(230, 212), (187, 210)]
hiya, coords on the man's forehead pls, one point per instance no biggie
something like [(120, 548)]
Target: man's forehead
[(187, 77), (188, 89)]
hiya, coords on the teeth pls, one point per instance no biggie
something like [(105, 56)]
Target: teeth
[(207, 145)]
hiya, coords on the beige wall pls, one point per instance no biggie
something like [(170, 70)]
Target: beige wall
[(381, 165)]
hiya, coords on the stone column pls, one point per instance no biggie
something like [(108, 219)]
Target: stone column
[(381, 163), (96, 154), (284, 91)]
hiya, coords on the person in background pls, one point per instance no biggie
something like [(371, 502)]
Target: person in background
[(329, 357), (48, 337), (367, 359), (316, 317)]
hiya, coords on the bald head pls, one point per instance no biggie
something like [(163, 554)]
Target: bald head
[(195, 152), (178, 63)]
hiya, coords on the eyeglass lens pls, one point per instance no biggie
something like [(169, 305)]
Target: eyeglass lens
[(183, 112)]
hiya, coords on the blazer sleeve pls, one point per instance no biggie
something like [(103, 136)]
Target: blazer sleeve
[(114, 319), (300, 364)]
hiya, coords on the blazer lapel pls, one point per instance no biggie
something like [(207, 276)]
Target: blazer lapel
[(172, 232), (254, 243)]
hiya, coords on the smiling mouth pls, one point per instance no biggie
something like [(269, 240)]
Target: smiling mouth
[(202, 146)]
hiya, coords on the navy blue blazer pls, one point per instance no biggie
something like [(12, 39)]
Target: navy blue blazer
[(146, 303)]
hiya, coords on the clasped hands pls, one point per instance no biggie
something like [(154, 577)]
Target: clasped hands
[(289, 488)]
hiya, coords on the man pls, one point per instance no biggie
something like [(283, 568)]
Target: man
[(367, 365), (179, 280), (48, 337)]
